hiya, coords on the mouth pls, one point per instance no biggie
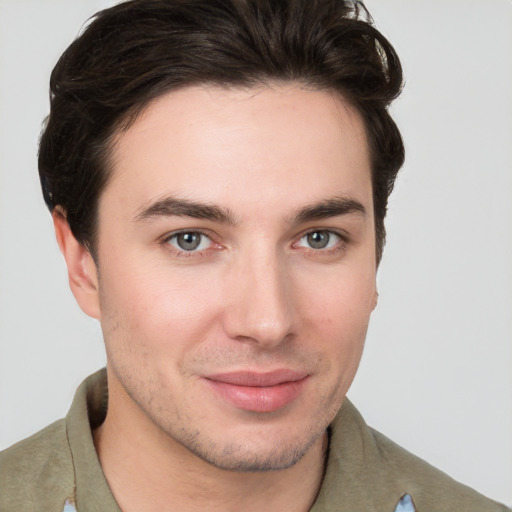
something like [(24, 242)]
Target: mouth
[(258, 391)]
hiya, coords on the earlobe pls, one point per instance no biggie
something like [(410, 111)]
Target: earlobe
[(82, 271)]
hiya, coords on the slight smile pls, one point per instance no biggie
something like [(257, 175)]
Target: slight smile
[(258, 392)]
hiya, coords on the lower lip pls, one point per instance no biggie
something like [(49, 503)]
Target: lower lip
[(259, 399)]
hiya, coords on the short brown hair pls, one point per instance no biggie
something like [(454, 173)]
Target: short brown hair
[(140, 49)]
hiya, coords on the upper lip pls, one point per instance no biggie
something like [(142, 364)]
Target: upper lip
[(258, 379)]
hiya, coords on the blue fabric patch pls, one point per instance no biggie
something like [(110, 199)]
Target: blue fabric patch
[(405, 504), (69, 507)]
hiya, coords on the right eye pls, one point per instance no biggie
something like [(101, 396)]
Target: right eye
[(189, 241)]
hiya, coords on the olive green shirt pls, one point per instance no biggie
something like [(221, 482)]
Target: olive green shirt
[(57, 469)]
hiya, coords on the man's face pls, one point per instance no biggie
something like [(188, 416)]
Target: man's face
[(237, 269)]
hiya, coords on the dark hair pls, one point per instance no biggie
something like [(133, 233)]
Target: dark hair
[(135, 51)]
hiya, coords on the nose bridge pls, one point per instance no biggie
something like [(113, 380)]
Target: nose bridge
[(262, 307)]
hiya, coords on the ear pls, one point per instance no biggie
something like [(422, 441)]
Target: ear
[(375, 299), (82, 271)]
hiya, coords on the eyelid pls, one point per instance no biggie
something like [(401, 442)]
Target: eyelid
[(335, 231), (201, 231)]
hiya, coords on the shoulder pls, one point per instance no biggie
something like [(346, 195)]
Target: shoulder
[(37, 473), (431, 488), (386, 471)]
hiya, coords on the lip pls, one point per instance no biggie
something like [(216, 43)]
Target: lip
[(258, 391)]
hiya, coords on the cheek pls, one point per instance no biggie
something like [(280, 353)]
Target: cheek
[(338, 315), (342, 303), (156, 310)]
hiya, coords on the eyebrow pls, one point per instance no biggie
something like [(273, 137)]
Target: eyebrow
[(332, 207), (175, 207)]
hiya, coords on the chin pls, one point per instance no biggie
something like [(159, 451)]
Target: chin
[(241, 458)]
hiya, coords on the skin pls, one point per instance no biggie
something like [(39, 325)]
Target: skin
[(275, 170)]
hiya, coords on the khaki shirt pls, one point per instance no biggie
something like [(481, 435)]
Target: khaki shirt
[(58, 470)]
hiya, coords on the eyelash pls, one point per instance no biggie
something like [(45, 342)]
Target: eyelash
[(339, 246)]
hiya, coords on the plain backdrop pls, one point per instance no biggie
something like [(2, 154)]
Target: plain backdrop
[(436, 375)]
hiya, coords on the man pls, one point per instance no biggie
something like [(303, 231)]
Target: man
[(218, 174)]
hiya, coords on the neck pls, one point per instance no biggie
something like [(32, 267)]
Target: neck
[(148, 470)]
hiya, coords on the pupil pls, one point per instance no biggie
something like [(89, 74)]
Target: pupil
[(189, 241), (318, 240)]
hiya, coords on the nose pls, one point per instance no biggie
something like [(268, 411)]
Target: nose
[(261, 308)]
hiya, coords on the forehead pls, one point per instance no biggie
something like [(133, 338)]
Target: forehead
[(270, 146)]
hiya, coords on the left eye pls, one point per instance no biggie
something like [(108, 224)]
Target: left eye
[(319, 240), (189, 241)]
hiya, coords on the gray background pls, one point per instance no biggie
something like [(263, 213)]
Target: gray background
[(436, 375)]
